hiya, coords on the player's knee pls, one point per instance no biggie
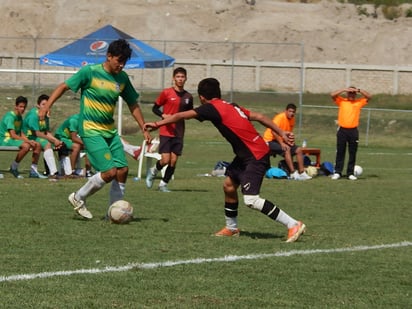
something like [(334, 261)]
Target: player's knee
[(254, 201), (228, 186)]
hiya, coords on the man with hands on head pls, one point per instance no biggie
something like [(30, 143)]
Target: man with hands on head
[(348, 120)]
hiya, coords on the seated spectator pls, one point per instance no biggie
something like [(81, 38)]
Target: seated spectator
[(11, 134), (286, 121), (39, 131), (69, 155)]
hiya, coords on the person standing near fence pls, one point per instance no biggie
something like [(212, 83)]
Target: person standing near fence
[(170, 101), (101, 86), (348, 120), (11, 134)]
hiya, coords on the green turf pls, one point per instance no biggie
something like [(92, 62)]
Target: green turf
[(40, 233)]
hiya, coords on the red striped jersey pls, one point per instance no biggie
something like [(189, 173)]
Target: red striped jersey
[(233, 123)]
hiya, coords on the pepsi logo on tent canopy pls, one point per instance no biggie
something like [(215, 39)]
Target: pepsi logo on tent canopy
[(99, 46)]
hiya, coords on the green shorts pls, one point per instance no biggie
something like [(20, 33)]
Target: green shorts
[(67, 141), (105, 153), (8, 141), (42, 141)]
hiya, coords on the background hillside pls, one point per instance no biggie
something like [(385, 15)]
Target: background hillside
[(332, 32)]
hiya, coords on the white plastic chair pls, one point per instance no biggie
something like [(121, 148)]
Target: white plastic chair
[(149, 156)]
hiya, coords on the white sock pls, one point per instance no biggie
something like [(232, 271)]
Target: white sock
[(50, 161), (231, 223), (78, 163), (66, 165), (34, 168), (285, 219), (116, 191), (94, 184)]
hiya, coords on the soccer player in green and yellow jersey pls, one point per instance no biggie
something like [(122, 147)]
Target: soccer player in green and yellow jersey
[(101, 85)]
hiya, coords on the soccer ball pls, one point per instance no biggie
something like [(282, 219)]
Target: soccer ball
[(358, 170), (311, 171), (120, 212)]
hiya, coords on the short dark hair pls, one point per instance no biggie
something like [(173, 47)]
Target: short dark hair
[(120, 48), (21, 99), (209, 88), (179, 70), (41, 98), (291, 105)]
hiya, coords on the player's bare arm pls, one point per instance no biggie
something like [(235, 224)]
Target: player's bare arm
[(57, 93), (267, 122), (75, 138), (48, 136), (172, 119), (138, 116)]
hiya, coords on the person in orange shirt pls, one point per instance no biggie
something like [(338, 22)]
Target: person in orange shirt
[(286, 121), (348, 120)]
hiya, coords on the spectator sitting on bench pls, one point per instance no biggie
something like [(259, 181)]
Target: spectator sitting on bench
[(11, 134), (68, 133), (39, 131), (286, 121)]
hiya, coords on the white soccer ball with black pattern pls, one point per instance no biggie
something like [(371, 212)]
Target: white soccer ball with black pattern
[(358, 170), (120, 212)]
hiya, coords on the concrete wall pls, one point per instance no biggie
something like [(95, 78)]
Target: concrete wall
[(248, 76)]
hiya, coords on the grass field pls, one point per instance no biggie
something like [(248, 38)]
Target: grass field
[(356, 252)]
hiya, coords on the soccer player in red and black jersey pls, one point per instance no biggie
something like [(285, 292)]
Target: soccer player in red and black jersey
[(252, 156), (170, 101)]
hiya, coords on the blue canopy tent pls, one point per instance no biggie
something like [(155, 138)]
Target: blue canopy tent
[(92, 50)]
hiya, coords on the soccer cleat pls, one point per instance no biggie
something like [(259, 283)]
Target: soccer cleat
[(79, 206), (303, 176), (294, 175), (228, 232), (71, 176), (335, 176), (352, 177), (89, 174), (35, 174), (16, 173), (54, 177), (150, 177), (164, 189), (295, 232)]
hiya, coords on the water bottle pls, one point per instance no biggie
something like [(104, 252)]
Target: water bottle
[(304, 144)]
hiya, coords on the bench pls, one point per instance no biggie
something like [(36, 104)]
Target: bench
[(9, 148), (312, 152)]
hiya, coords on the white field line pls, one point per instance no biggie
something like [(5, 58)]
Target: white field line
[(389, 154), (230, 258)]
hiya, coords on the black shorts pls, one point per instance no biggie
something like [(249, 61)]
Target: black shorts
[(275, 149), (248, 173), (171, 144)]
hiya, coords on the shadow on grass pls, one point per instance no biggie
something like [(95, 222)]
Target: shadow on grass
[(187, 190), (258, 235)]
